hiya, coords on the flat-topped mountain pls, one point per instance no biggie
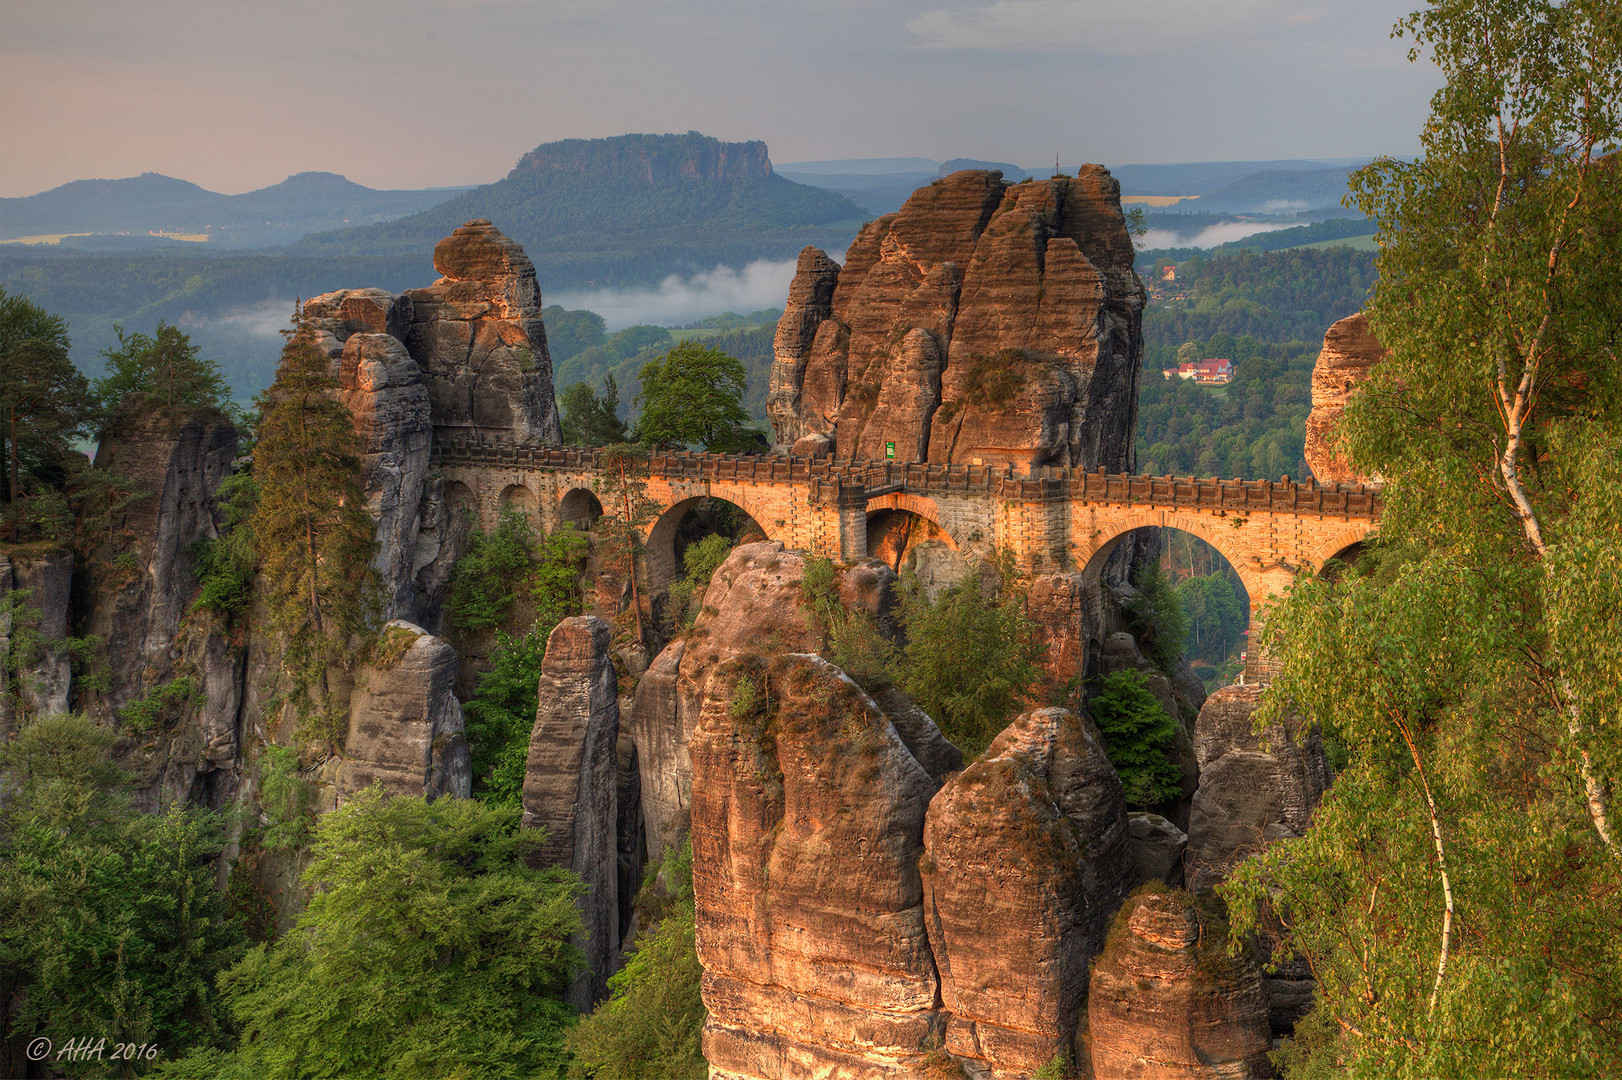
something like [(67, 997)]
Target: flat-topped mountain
[(632, 208)]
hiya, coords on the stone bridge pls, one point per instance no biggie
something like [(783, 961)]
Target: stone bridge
[(1052, 520)]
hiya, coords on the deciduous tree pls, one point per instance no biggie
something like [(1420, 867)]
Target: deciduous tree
[(695, 395)]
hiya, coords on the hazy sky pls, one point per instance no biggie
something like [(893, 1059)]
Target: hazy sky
[(238, 94)]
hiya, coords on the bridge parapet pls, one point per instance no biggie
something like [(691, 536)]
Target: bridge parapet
[(824, 479)]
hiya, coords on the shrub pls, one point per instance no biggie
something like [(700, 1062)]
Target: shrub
[(1155, 617), (1137, 737), (700, 561)]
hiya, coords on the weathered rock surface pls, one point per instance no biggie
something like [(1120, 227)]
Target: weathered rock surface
[(45, 578), (405, 724), (571, 785), (807, 820), (1254, 787), (1025, 860), (753, 605), (1168, 1003), (983, 322), (1350, 352), (478, 335), (1155, 847)]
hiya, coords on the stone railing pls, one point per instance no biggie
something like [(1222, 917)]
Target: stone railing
[(1043, 484)]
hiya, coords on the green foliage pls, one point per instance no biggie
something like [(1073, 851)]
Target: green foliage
[(851, 639), (1459, 895), (488, 577), (651, 1025), (1137, 737), (1155, 617), (700, 561), (161, 705), (225, 565), (429, 944), (501, 711), (694, 396), (970, 659), (1271, 296), (313, 533), (44, 404), (1216, 617), (590, 419), (286, 800), (110, 922), (622, 486), (164, 368)]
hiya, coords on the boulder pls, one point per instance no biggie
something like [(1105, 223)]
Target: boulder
[(1254, 788), (405, 725), (1167, 1002), (1350, 352), (807, 820), (571, 785), (1025, 858), (1155, 847), (984, 322)]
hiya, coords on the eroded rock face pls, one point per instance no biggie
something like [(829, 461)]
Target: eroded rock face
[(1168, 1003), (478, 335), (983, 322), (45, 582), (405, 724), (1025, 860), (1350, 352), (571, 784), (807, 816), (1254, 788)]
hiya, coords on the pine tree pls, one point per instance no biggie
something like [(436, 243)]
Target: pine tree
[(164, 367), (315, 537), (627, 511)]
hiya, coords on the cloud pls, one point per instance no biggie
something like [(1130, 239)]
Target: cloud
[(677, 300), (1207, 237)]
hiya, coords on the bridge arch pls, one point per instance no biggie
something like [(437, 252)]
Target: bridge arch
[(900, 522), (520, 499), (1348, 540), (580, 507), (1259, 583), (662, 546)]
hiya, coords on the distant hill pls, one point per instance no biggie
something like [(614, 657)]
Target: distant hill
[(629, 210), (130, 211), (1207, 177), (1274, 191), (881, 185)]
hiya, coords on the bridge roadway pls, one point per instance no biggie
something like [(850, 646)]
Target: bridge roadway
[(1052, 520)]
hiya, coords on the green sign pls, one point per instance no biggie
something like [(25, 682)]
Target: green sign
[(889, 449)]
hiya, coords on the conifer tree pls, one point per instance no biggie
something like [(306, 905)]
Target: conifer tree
[(165, 367), (315, 537)]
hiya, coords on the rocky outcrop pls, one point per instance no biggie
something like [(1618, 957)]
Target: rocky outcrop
[(807, 816), (405, 724), (477, 334), (1254, 788), (571, 785), (1025, 858), (36, 588), (1155, 847), (984, 322), (753, 604), (1350, 352), (1167, 1002)]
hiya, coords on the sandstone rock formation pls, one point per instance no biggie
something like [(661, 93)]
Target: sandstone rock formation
[(405, 724), (1168, 1003), (753, 604), (1254, 788), (807, 819), (983, 322), (1350, 352), (40, 586), (1155, 847), (1025, 860), (571, 785), (465, 356)]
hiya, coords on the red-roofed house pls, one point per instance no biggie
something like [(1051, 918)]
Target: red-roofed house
[(1211, 372)]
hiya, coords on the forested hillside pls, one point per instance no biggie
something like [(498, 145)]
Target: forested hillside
[(1267, 312)]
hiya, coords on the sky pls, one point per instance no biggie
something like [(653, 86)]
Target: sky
[(237, 95)]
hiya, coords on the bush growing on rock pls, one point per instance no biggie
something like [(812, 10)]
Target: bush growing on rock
[(1137, 737)]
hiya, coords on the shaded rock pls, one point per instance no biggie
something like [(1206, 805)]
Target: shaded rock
[(477, 334), (405, 724), (1350, 352), (1167, 1002), (1156, 848), (807, 818), (938, 757), (1288, 1000), (1025, 859), (665, 775), (630, 842), (41, 617), (816, 445), (983, 322), (1254, 787), (571, 785)]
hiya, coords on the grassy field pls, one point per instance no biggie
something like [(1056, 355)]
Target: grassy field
[(1356, 243)]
